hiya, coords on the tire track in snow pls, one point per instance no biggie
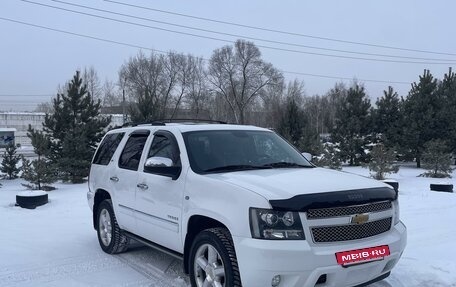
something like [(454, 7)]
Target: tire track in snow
[(161, 269), (58, 269)]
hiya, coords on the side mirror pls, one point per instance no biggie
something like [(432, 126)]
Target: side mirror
[(307, 156), (158, 161), (162, 166)]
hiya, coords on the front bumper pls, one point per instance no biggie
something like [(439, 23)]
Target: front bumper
[(301, 264)]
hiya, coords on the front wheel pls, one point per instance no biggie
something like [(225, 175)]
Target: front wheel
[(110, 235), (213, 260)]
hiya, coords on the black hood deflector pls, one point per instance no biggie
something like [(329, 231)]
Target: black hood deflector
[(304, 202)]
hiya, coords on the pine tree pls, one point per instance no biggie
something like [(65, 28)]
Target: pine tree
[(382, 162), (10, 161), (39, 172), (447, 89), (437, 159), (388, 118), (330, 157), (422, 113), (74, 128), (352, 125)]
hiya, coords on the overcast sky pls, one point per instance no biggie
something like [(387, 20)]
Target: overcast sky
[(35, 61)]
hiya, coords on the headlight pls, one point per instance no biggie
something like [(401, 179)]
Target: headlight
[(275, 225), (396, 211)]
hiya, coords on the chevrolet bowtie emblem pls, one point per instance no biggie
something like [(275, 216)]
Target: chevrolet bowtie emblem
[(360, 218)]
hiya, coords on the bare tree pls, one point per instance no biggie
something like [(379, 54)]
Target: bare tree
[(156, 84), (334, 98), (111, 94), (178, 71), (198, 96), (45, 107), (273, 99), (295, 91), (91, 79), (240, 76)]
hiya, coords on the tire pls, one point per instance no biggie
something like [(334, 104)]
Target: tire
[(224, 260), (110, 236), (441, 187), (31, 202)]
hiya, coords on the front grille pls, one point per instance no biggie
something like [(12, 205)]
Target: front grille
[(350, 232), (348, 210)]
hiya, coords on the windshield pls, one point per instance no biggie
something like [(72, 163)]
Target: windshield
[(234, 150)]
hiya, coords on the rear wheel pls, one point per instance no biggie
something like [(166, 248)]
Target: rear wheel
[(110, 236), (213, 260)]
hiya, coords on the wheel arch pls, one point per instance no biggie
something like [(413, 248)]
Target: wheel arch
[(100, 195), (197, 223)]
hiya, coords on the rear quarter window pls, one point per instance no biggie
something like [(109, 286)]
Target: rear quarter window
[(107, 148)]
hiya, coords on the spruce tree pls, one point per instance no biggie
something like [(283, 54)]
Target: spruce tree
[(10, 161), (422, 115), (74, 128), (388, 118), (352, 125)]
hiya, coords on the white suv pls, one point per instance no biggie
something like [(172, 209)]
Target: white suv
[(242, 207)]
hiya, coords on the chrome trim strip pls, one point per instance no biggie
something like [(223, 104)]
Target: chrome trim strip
[(150, 215), (126, 207), (346, 220), (350, 206)]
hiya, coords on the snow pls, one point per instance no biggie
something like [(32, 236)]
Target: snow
[(31, 193), (55, 244)]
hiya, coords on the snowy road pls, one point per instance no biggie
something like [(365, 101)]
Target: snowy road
[(55, 245)]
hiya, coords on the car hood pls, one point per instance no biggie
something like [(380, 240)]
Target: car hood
[(285, 183)]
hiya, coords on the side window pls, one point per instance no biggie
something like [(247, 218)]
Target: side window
[(131, 154), (165, 146), (107, 148)]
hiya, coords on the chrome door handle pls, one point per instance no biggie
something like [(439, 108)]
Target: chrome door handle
[(142, 186), (114, 178)]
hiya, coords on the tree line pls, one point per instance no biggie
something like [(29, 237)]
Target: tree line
[(236, 85)]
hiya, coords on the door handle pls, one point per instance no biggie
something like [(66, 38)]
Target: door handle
[(114, 178), (142, 186)]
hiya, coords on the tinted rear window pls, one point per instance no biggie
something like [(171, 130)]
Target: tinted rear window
[(107, 148), (131, 154)]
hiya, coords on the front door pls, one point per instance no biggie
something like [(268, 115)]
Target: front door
[(159, 198)]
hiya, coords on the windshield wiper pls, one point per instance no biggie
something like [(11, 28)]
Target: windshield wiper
[(284, 164), (237, 167)]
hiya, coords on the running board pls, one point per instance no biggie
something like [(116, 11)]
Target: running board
[(154, 245)]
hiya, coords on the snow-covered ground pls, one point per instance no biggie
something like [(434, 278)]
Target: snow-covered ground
[(55, 245)]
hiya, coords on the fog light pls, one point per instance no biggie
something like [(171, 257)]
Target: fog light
[(275, 281)]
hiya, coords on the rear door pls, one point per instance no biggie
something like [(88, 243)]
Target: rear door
[(124, 178), (159, 198)]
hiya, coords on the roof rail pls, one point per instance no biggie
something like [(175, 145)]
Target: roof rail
[(162, 122), (179, 120)]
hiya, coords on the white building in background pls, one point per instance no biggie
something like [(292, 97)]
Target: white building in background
[(20, 121)]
